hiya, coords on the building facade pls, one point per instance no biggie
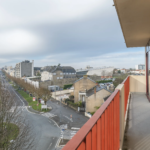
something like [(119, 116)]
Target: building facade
[(96, 99), (24, 69), (106, 72), (55, 73), (81, 86), (89, 93)]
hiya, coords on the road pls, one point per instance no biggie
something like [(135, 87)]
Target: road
[(45, 130), (46, 126), (63, 113)]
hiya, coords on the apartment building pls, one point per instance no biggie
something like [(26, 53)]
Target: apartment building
[(24, 69), (140, 67)]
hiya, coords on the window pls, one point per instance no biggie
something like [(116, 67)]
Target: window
[(54, 73), (66, 73), (57, 77), (61, 73), (61, 77), (72, 73)]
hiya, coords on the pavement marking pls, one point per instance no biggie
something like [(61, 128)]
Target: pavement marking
[(17, 107), (48, 115), (73, 128), (49, 145), (68, 118)]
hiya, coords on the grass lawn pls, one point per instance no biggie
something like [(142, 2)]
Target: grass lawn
[(30, 101), (11, 132), (15, 87), (11, 82), (14, 131)]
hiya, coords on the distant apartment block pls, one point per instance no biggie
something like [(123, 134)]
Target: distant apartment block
[(140, 67), (24, 69), (104, 72)]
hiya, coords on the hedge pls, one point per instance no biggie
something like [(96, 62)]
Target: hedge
[(104, 81), (72, 104), (67, 86)]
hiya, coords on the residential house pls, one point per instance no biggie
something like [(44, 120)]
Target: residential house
[(81, 86), (95, 97), (90, 93)]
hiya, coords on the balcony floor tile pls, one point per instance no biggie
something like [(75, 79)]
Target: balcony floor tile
[(137, 136)]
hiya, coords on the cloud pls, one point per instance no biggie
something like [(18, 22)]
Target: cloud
[(52, 11), (18, 41), (120, 59), (4, 60), (69, 32)]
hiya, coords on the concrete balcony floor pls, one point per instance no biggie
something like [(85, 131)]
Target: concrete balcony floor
[(137, 135)]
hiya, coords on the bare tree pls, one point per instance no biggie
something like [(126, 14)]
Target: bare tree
[(15, 131), (46, 94)]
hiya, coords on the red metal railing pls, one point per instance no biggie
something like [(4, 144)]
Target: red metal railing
[(126, 83), (102, 131)]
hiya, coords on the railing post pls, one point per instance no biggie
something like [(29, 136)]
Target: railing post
[(120, 87)]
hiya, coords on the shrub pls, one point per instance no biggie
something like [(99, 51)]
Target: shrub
[(68, 100), (71, 96), (104, 81), (67, 86), (72, 104), (92, 113)]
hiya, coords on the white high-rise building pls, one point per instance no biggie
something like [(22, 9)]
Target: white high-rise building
[(140, 67), (24, 69)]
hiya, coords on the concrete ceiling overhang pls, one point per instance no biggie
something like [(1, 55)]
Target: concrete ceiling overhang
[(134, 17)]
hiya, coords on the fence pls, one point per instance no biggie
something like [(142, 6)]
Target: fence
[(105, 129)]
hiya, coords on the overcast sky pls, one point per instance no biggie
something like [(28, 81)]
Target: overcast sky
[(70, 32)]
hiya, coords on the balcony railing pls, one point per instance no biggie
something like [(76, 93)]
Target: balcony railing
[(105, 129)]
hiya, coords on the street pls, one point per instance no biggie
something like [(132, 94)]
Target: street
[(45, 130), (48, 127)]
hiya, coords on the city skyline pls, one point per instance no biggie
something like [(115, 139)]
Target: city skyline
[(47, 33)]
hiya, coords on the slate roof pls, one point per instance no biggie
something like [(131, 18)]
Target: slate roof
[(37, 68), (105, 98), (64, 69), (98, 88), (82, 78)]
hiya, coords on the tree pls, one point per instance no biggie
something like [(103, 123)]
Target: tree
[(118, 81), (119, 71), (38, 74), (46, 94), (15, 132)]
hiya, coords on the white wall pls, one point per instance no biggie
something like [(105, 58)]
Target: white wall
[(34, 83), (45, 75), (99, 71)]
